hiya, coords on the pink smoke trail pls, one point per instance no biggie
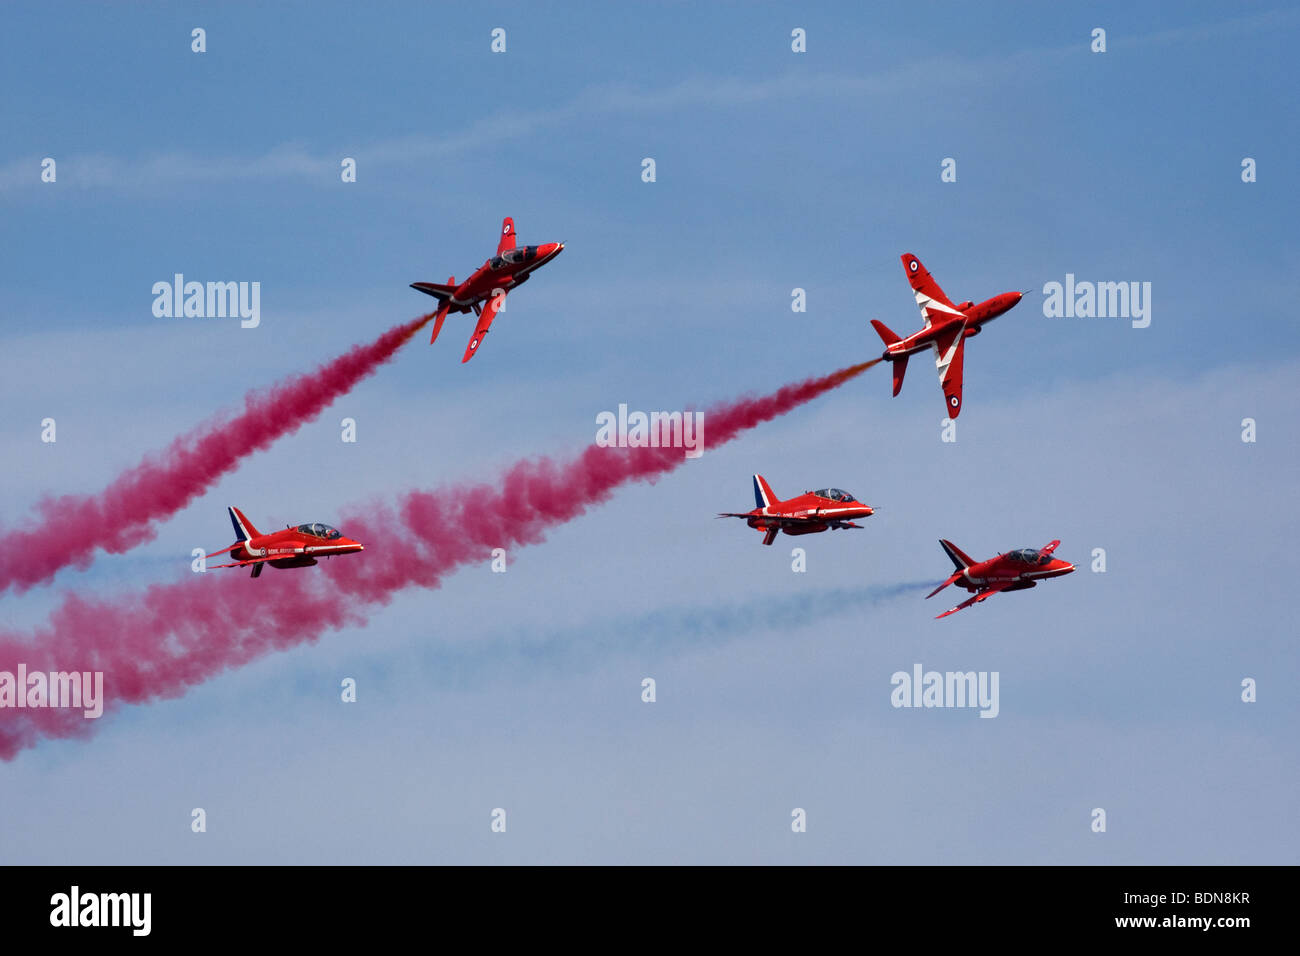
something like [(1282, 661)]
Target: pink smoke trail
[(71, 528), (156, 644)]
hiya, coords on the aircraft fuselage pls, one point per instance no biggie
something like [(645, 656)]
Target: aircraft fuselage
[(501, 274), (1010, 574), (974, 315)]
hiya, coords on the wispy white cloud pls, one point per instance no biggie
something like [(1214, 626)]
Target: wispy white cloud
[(295, 161)]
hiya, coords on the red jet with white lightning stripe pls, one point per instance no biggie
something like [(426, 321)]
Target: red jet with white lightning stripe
[(485, 291), (1012, 571), (828, 509), (947, 327), (291, 548)]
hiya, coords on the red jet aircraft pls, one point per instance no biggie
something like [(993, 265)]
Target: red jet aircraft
[(1013, 571), (812, 511), (291, 548), (485, 291), (947, 327)]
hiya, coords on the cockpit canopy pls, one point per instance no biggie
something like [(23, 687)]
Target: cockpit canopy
[(512, 257), (319, 530), (1029, 556), (834, 494)]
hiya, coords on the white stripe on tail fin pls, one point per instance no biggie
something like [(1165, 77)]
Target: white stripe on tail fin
[(243, 527), (959, 559), (763, 495)]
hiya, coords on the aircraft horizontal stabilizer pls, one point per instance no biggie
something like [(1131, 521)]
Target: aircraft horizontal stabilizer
[(886, 334), (951, 580), (435, 289)]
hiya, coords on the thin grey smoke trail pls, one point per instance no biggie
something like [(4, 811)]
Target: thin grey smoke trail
[(764, 613), (664, 631)]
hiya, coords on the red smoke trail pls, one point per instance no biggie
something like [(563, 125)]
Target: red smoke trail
[(73, 527), (155, 644)]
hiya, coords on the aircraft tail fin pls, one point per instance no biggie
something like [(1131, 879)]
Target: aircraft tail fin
[(443, 307), (763, 495), (888, 336), (243, 527), (438, 319), (960, 560), (900, 369)]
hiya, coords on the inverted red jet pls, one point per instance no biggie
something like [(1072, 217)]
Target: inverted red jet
[(291, 548), (1013, 571), (485, 291), (825, 510), (947, 327)]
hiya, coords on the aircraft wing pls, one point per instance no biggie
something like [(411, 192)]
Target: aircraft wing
[(982, 596), (949, 353), (259, 563), (781, 520), (930, 299), (490, 310), (240, 564), (507, 235)]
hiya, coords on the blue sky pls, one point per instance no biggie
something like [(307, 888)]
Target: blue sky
[(774, 171)]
